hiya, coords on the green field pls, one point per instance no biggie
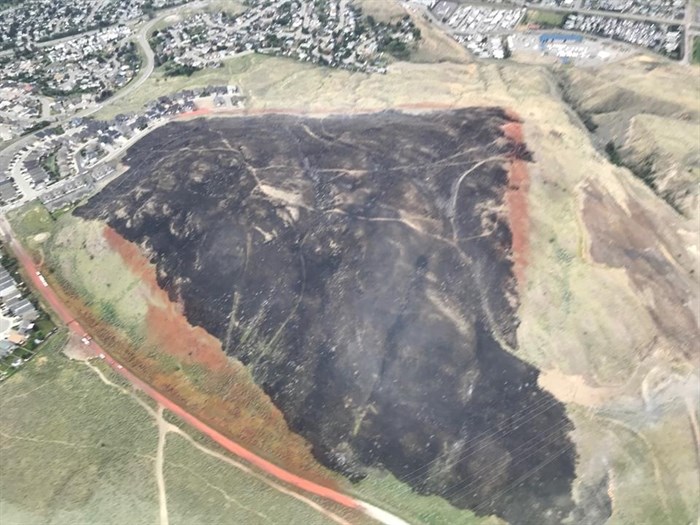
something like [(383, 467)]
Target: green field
[(545, 18), (77, 450), (204, 489), (384, 490), (695, 57), (73, 449), (29, 221)]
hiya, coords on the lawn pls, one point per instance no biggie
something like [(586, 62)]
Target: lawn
[(30, 220), (695, 57), (381, 10), (50, 164), (545, 18), (32, 223)]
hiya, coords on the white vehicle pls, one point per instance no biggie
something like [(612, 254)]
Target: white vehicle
[(41, 278), (86, 340), (120, 367), (102, 356)]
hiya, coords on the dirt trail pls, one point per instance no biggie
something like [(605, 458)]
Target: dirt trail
[(164, 427), (240, 466), (574, 388), (67, 317), (160, 458)]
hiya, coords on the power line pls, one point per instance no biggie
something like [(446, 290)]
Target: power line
[(525, 450), (521, 418)]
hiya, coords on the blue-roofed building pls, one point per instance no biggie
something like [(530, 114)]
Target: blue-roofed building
[(561, 38)]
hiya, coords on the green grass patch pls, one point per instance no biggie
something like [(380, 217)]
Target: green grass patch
[(385, 491), (547, 19), (74, 449), (29, 221), (44, 325), (204, 489), (50, 164), (695, 57), (78, 255), (231, 7)]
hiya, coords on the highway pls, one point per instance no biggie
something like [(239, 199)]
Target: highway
[(66, 316)]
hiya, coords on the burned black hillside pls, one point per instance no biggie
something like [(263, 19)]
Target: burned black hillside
[(361, 268)]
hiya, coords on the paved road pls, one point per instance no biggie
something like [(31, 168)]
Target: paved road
[(147, 69), (74, 326), (28, 192), (12, 149)]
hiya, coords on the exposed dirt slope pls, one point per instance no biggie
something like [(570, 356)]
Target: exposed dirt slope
[(650, 111)]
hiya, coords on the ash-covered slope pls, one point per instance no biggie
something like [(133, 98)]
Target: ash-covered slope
[(361, 267)]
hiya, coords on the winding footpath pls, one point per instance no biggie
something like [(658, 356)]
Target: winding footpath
[(55, 303)]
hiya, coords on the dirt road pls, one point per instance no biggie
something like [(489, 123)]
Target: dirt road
[(273, 470)]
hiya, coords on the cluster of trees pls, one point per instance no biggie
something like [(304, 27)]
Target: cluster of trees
[(397, 47), (173, 69), (36, 127)]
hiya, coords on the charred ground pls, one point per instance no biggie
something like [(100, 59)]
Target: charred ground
[(362, 268)]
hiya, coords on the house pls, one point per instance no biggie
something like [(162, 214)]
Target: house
[(16, 338), (25, 327), (6, 348), (8, 192)]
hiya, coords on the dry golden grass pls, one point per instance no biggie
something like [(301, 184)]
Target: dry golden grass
[(381, 10)]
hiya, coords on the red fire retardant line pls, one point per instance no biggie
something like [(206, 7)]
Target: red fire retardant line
[(57, 305)]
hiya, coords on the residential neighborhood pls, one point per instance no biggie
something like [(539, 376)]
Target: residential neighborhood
[(329, 32), (22, 326), (64, 164), (65, 78), (34, 21)]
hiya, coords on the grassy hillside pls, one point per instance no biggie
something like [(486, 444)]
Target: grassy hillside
[(584, 318), (78, 446)]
